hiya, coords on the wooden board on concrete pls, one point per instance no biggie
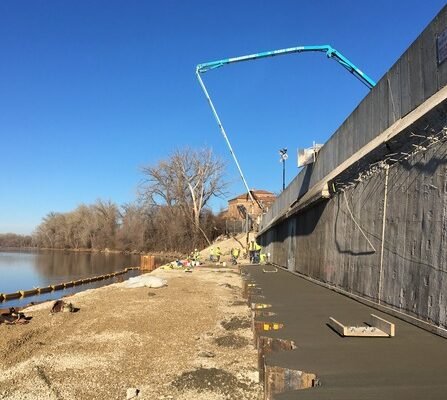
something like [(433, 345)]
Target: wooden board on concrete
[(379, 327), (383, 325)]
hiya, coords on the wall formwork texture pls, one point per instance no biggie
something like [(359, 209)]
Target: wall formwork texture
[(383, 239)]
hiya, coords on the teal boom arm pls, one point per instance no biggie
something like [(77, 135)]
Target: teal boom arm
[(329, 50)]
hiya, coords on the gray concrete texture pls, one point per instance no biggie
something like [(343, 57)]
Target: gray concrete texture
[(414, 78), (411, 365), (326, 243), (397, 260)]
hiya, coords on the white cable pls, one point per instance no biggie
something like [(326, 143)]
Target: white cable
[(355, 222), (222, 130)]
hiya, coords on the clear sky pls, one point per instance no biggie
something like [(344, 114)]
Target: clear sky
[(92, 90)]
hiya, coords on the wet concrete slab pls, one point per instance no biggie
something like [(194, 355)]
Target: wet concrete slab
[(412, 365)]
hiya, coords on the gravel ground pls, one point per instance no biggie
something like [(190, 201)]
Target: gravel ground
[(189, 340)]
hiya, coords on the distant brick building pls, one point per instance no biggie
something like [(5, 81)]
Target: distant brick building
[(238, 206)]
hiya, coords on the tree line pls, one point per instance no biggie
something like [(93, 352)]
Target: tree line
[(131, 227), (170, 214), (14, 240)]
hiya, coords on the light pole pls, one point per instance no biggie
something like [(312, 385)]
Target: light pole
[(284, 156)]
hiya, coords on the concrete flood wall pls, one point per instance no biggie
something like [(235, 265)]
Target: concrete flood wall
[(410, 273), (387, 246), (414, 78)]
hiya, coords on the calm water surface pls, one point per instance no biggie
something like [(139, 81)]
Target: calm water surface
[(24, 270)]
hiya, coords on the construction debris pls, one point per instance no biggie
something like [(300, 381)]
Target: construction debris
[(13, 316), (62, 306)]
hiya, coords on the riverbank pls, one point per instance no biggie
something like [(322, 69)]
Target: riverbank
[(161, 254), (189, 340)]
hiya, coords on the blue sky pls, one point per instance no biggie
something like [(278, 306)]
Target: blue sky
[(92, 90)]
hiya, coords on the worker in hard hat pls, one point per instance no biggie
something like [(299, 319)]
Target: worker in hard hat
[(235, 252), (196, 257), (217, 253), (254, 251), (212, 254)]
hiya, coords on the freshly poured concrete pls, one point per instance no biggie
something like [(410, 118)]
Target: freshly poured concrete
[(382, 233), (412, 365)]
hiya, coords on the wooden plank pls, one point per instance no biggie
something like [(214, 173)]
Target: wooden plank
[(337, 326), (394, 105), (280, 380), (383, 107), (383, 325), (267, 345), (429, 64), (440, 26), (405, 98), (374, 112), (415, 69), (363, 331)]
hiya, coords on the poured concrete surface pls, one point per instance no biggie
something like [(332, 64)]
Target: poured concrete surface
[(412, 365)]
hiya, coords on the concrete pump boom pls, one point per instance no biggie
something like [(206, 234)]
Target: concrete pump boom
[(330, 52)]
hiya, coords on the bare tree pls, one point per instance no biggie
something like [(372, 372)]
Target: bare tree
[(134, 225), (187, 180), (106, 220)]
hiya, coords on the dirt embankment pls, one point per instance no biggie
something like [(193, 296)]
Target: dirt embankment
[(189, 340)]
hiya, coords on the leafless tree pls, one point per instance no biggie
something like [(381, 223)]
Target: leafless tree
[(134, 227), (15, 240), (186, 180)]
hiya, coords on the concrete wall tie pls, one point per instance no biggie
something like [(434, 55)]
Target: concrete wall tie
[(260, 327), (258, 314), (246, 287), (279, 380), (255, 297), (260, 306), (262, 313)]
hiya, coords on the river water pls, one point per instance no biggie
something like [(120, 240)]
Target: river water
[(24, 270)]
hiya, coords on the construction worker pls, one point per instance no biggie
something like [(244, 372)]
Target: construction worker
[(212, 254), (196, 257), (254, 250), (218, 253), (235, 251)]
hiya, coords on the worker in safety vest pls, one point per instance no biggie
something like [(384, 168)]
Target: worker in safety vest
[(254, 250), (196, 257), (235, 251), (212, 254), (217, 253)]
